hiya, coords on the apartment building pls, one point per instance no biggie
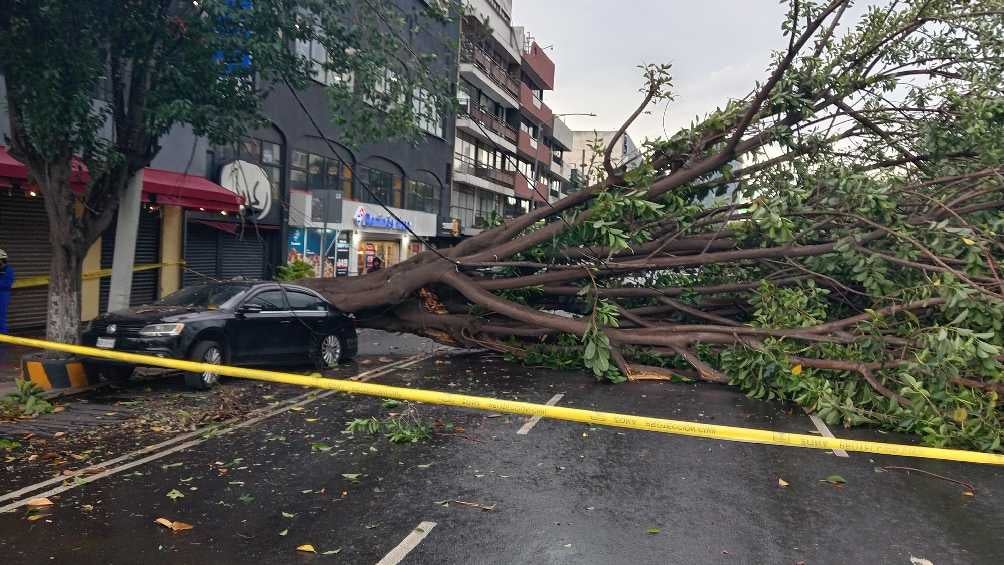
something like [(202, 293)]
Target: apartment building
[(509, 148), (582, 160)]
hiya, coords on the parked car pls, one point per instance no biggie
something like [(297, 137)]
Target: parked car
[(235, 323)]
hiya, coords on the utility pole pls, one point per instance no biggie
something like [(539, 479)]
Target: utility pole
[(126, 231)]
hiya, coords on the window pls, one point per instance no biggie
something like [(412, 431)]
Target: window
[(270, 301), (422, 196), (427, 115), (388, 86), (383, 186), (263, 153), (301, 301), (463, 206), (310, 172)]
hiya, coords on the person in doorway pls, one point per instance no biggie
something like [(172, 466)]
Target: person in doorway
[(377, 264), (6, 285)]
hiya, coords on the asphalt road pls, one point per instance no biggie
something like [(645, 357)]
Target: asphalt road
[(560, 493)]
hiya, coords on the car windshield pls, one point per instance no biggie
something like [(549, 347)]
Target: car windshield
[(209, 296)]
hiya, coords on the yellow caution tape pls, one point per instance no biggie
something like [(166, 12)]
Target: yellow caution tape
[(678, 427), (43, 280)]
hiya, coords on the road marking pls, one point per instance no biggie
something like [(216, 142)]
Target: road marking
[(533, 421), (821, 426), (88, 475), (407, 544)]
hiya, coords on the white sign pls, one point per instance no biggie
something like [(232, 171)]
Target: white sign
[(373, 218), (250, 181)]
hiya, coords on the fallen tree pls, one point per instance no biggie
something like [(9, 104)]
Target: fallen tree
[(833, 238)]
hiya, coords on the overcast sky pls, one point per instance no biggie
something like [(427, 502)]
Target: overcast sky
[(718, 48)]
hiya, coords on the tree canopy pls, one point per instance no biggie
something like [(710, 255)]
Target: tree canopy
[(833, 238)]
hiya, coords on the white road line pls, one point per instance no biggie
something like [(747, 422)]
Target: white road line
[(821, 426), (533, 421), (407, 544), (88, 475)]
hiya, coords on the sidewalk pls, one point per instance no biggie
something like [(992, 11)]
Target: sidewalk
[(10, 366)]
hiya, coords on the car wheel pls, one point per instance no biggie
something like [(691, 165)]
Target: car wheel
[(112, 372), (328, 351), (205, 352)]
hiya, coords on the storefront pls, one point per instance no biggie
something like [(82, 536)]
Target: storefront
[(24, 234), (364, 232)]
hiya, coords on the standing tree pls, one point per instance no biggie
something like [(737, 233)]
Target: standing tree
[(100, 82), (850, 261)]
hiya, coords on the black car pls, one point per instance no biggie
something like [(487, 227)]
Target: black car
[(234, 322)]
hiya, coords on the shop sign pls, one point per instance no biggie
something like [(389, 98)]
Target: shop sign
[(364, 219), (251, 182)]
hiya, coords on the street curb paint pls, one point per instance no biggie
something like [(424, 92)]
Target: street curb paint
[(676, 427), (54, 374)]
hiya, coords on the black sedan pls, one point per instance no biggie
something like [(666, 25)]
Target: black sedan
[(235, 322)]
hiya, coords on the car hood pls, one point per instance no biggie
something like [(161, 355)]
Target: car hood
[(152, 313)]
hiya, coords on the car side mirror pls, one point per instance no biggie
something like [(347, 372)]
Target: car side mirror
[(249, 309)]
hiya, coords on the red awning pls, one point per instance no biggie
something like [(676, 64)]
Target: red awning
[(188, 191), (163, 187)]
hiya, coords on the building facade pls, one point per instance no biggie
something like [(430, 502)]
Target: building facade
[(582, 161), (509, 148), (283, 192)]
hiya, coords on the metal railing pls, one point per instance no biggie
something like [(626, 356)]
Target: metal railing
[(490, 121), (471, 53), (466, 166)]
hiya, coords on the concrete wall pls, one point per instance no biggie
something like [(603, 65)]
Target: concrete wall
[(582, 154)]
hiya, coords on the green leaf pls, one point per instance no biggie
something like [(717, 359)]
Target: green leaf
[(653, 531), (835, 480), (175, 494)]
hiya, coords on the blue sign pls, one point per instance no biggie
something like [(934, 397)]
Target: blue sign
[(364, 219)]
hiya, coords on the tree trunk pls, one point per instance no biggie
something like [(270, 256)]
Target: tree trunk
[(63, 318)]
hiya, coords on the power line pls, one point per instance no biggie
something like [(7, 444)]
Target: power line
[(372, 195)]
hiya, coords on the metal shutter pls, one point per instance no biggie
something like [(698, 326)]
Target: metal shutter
[(201, 252), (243, 254), (24, 235), (145, 284)]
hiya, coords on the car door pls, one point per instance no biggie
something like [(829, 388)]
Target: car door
[(262, 337), (311, 313)]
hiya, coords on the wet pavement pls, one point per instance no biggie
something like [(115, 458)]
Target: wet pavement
[(561, 493)]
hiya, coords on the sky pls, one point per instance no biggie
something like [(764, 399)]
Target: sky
[(718, 49)]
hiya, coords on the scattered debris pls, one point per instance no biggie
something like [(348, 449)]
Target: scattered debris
[(173, 525), (782, 483), (175, 494), (306, 548), (971, 490)]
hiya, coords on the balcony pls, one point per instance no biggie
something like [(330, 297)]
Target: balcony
[(480, 68), (561, 134), (533, 107), (523, 190), (484, 125), (533, 149), (538, 65), (475, 174)]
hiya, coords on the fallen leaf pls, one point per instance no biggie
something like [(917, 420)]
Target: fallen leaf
[(172, 465), (797, 369), (297, 408), (284, 532), (782, 483), (306, 548), (311, 420), (59, 434), (246, 498), (34, 517), (835, 480), (332, 551), (967, 241), (287, 515), (920, 561), (175, 494), (173, 525), (354, 477), (37, 502), (320, 447), (653, 531), (968, 493)]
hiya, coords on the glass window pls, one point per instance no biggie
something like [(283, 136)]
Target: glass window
[(427, 115), (203, 296), (422, 196), (270, 301), (302, 301), (381, 187)]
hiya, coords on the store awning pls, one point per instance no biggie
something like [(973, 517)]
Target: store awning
[(188, 191), (163, 187)]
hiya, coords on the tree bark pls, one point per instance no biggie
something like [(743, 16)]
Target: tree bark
[(63, 318)]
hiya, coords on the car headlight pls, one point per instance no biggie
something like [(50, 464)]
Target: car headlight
[(161, 330)]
